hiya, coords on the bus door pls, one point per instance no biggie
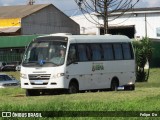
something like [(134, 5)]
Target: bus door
[(78, 67)]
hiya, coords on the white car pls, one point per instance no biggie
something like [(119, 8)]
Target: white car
[(8, 81)]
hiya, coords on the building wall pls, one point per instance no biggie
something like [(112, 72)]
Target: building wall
[(152, 23), (87, 26), (48, 20), (132, 19)]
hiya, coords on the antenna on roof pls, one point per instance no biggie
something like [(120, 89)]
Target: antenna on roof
[(31, 2)]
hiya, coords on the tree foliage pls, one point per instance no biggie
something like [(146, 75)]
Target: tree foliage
[(143, 53), (106, 8)]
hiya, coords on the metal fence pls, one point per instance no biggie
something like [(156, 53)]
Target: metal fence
[(11, 57), (155, 62)]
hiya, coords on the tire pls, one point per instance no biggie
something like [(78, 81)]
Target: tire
[(133, 87), (114, 85), (32, 92), (73, 88), (130, 87)]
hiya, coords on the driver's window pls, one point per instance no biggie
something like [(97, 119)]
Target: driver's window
[(72, 57)]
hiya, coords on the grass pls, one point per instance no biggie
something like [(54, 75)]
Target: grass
[(146, 97)]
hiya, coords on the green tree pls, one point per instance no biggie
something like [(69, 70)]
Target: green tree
[(143, 53)]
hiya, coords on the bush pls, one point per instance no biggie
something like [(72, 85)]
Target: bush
[(143, 54)]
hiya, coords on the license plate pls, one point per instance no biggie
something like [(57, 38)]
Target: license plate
[(120, 88), (38, 82)]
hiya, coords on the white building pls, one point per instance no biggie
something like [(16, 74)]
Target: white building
[(135, 24)]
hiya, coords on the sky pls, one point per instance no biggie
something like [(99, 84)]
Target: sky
[(69, 7)]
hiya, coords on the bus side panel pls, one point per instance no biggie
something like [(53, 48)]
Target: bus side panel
[(124, 70), (88, 78), (81, 71)]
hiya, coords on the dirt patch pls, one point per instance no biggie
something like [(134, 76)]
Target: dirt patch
[(19, 95)]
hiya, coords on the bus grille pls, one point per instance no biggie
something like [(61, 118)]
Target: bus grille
[(39, 76)]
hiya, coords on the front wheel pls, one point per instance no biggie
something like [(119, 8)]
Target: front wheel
[(73, 88), (114, 85), (30, 92)]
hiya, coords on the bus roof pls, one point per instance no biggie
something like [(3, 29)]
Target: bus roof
[(92, 38)]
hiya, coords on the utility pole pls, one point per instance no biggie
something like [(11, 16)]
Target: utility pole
[(31, 2), (145, 24)]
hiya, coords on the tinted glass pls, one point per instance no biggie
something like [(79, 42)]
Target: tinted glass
[(107, 51), (127, 51), (118, 51), (82, 50), (96, 52), (72, 56)]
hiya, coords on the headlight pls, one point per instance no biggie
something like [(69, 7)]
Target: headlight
[(2, 86), (24, 76), (58, 75), (130, 83)]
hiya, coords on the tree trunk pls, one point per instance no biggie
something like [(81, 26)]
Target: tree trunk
[(105, 17)]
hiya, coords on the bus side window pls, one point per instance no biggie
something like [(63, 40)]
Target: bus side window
[(118, 51), (126, 51), (96, 52), (72, 56), (108, 51), (83, 52)]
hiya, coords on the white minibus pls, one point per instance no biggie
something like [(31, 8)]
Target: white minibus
[(74, 63)]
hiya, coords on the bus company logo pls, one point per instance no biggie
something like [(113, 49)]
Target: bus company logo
[(97, 66), (38, 76), (6, 114)]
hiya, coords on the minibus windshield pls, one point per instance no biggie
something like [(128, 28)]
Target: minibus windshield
[(48, 53)]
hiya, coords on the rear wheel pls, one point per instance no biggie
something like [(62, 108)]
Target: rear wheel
[(73, 88), (130, 87), (114, 85)]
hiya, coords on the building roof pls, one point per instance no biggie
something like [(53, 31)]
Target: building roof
[(20, 11), (147, 9), (131, 11), (139, 10)]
